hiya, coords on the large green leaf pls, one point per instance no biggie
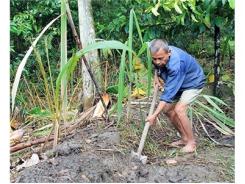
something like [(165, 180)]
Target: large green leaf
[(138, 28), (221, 116), (113, 44), (71, 64), (177, 8), (130, 45), (194, 18), (154, 9), (63, 54), (206, 20), (121, 85), (210, 101), (216, 99), (220, 124)]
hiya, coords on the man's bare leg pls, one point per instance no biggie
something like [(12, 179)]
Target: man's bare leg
[(186, 127), (176, 122), (171, 114)]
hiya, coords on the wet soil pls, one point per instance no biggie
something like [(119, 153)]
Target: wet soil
[(97, 155)]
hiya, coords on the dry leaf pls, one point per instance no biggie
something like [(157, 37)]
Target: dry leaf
[(14, 123), (99, 109), (16, 119), (16, 136), (32, 161)]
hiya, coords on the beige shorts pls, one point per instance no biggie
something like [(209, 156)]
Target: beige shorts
[(188, 96)]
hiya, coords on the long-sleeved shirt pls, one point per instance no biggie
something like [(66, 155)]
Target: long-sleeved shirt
[(181, 72)]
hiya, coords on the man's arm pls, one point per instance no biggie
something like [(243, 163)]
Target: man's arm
[(152, 118)]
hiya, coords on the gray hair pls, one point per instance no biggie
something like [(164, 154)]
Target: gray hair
[(156, 44)]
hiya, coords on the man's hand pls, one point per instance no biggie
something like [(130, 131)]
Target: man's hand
[(151, 119)]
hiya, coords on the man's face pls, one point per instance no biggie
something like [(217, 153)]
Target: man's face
[(161, 57)]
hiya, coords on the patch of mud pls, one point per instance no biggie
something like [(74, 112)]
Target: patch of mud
[(96, 157)]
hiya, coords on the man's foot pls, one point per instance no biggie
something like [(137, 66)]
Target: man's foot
[(189, 148), (178, 143)]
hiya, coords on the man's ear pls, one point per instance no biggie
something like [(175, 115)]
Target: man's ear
[(169, 52)]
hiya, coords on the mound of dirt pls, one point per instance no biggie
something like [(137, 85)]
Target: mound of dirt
[(96, 157)]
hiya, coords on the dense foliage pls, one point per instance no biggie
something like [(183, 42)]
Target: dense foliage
[(189, 24)]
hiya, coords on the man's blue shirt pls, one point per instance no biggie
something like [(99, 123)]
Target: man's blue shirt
[(182, 72)]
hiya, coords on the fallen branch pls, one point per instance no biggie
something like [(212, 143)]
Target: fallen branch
[(84, 115), (28, 144)]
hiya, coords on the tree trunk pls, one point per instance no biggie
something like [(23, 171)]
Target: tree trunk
[(87, 36), (216, 58)]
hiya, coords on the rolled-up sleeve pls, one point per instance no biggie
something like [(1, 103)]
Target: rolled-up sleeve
[(172, 85)]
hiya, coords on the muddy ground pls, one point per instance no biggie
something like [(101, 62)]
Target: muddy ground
[(99, 155)]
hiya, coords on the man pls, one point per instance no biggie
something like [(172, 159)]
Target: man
[(184, 80)]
